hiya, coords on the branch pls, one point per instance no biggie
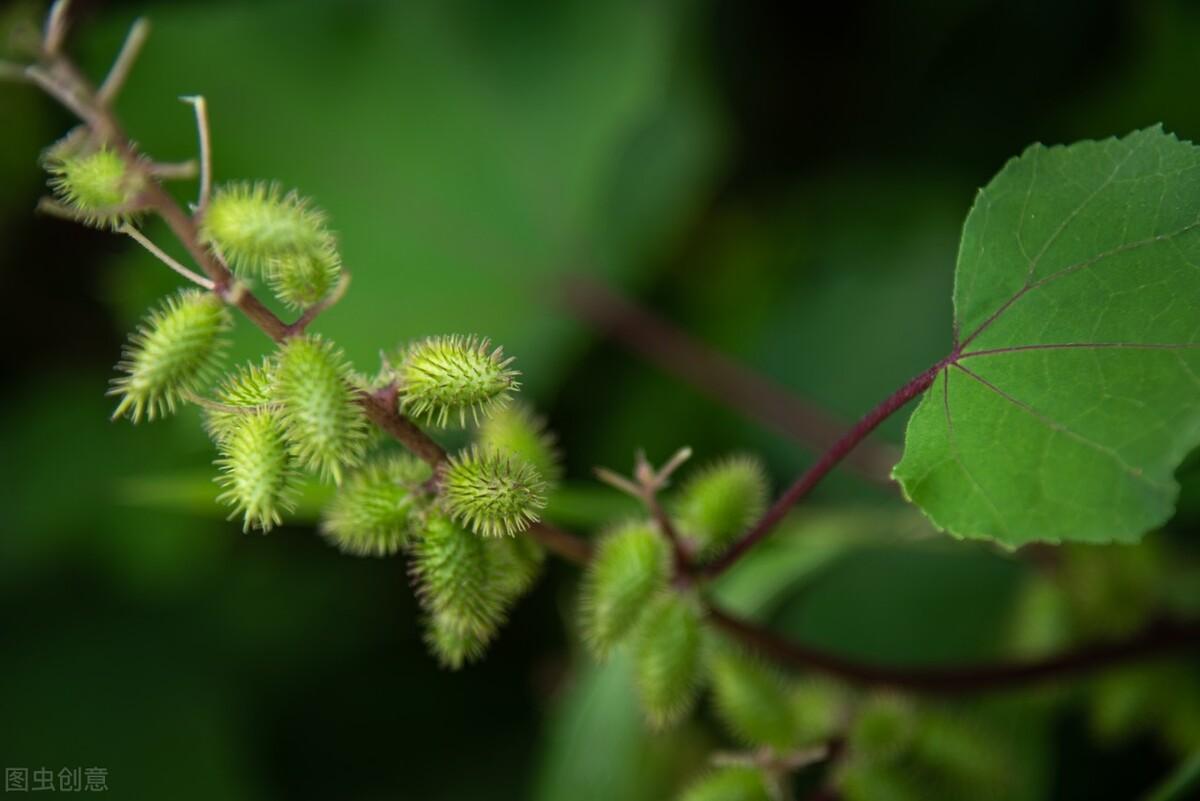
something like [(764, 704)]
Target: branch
[(810, 478), (63, 81), (644, 485), (1155, 640), (381, 408), (721, 378)]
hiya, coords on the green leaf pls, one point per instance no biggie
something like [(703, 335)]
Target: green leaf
[(1074, 389)]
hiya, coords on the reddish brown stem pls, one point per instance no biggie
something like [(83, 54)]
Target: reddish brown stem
[(683, 560), (1155, 640), (828, 460), (382, 408)]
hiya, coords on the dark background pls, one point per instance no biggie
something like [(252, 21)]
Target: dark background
[(786, 186)]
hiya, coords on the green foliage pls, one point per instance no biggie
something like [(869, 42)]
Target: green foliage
[(174, 353), (883, 728), (446, 377), (751, 700), (256, 471), (1075, 395), (1041, 621), (372, 512), (868, 781), (898, 750), (721, 501), (458, 584), (97, 184), (1160, 700), (325, 426), (667, 656), (1112, 591), (518, 430), (628, 568), (734, 783), (257, 228), (492, 493)]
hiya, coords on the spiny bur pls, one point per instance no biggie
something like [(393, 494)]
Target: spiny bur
[(457, 584), (372, 512), (721, 501), (517, 562), (492, 493), (98, 186), (256, 471), (667, 655), (444, 378), (252, 224), (174, 352), (733, 783), (303, 279), (751, 700), (513, 564), (325, 426), (629, 567), (453, 646), (244, 391), (518, 430)]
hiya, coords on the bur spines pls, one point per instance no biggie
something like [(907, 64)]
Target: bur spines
[(373, 512), (721, 500), (174, 352), (629, 567), (253, 224), (667, 658), (246, 390), (256, 471), (99, 186), (751, 700), (492, 493), (517, 429), (456, 583), (324, 424), (303, 279), (450, 377)]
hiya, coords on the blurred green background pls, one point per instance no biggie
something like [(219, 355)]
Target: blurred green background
[(786, 187)]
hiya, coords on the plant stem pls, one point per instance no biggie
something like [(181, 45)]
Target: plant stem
[(63, 81), (1156, 639), (828, 460), (381, 409)]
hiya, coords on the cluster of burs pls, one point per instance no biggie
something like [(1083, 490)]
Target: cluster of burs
[(463, 522), (299, 413)]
